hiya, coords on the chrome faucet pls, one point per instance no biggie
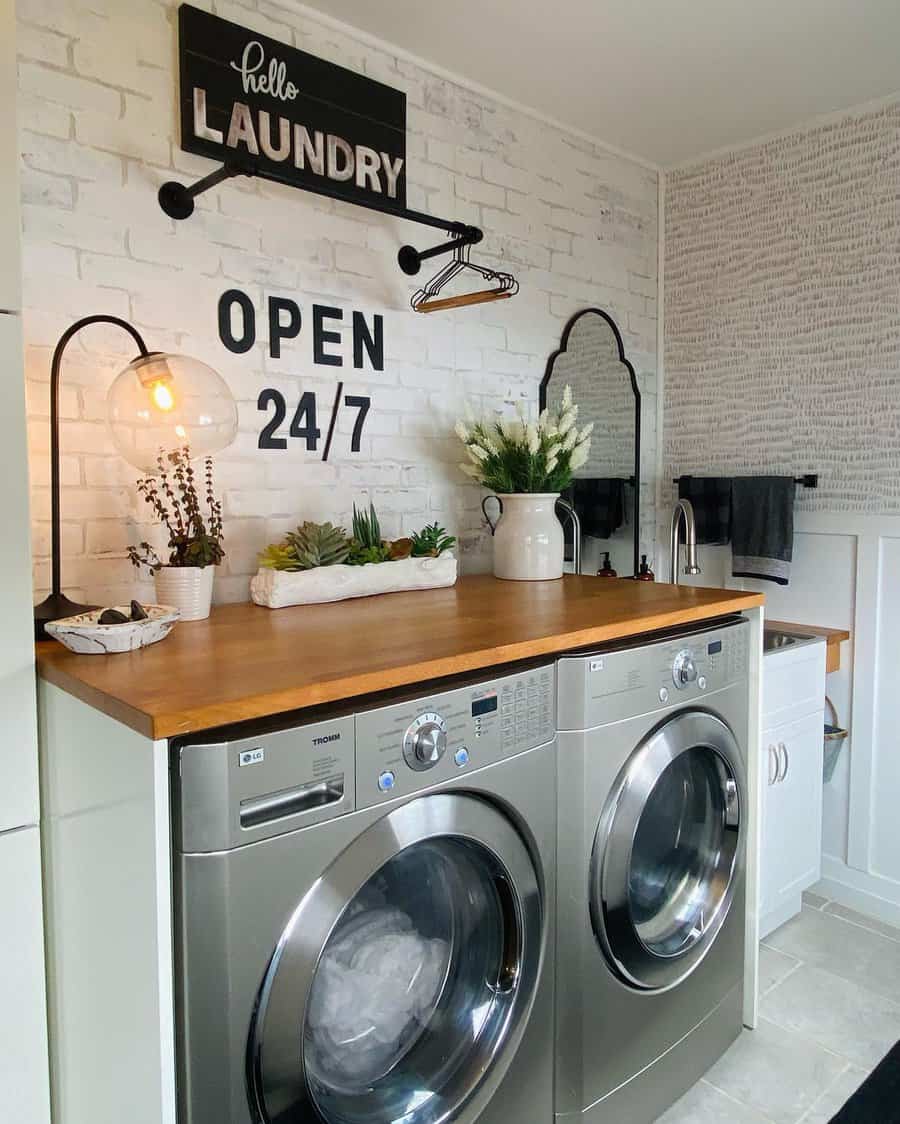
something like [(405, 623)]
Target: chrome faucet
[(683, 510), (576, 532)]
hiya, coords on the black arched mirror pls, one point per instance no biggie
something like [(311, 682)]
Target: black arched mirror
[(606, 489)]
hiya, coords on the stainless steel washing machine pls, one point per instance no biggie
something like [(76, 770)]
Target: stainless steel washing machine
[(365, 914), (650, 878)]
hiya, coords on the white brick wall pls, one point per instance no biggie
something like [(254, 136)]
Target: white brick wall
[(576, 224)]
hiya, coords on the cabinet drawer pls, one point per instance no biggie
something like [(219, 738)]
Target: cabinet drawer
[(793, 684)]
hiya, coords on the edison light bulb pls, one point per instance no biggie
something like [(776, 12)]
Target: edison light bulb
[(160, 403), (162, 397)]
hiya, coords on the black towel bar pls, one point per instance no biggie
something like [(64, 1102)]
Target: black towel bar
[(809, 480)]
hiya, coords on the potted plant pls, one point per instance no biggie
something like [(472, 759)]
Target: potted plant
[(526, 465), (321, 562), (195, 539)]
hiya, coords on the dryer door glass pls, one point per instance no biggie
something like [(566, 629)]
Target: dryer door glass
[(677, 881), (418, 991), (666, 855)]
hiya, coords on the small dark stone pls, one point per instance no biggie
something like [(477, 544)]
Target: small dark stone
[(138, 612), (112, 616)]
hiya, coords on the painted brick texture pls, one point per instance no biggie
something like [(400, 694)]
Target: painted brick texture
[(97, 82), (782, 335)]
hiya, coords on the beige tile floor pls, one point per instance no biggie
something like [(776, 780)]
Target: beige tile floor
[(830, 1010)]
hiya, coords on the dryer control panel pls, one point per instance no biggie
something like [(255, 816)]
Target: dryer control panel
[(605, 687), (412, 745)]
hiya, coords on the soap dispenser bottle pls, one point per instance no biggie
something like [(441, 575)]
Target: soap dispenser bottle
[(606, 570), (645, 574)]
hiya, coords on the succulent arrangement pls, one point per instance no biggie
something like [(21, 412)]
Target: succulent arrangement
[(309, 546), (521, 456), (322, 544), (194, 539)]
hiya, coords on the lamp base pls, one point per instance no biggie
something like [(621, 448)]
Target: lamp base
[(54, 608)]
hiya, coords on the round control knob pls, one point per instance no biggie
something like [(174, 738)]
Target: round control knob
[(684, 670), (425, 742), (430, 743)]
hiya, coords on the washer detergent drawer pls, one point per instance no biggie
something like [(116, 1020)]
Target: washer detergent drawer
[(236, 792)]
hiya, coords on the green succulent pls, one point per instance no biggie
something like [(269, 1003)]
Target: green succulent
[(309, 546), (366, 528), (318, 544), (278, 556), (431, 541), (362, 555)]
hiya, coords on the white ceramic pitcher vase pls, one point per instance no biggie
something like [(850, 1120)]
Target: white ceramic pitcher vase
[(528, 538)]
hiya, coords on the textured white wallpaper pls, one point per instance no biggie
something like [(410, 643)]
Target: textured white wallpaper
[(782, 323)]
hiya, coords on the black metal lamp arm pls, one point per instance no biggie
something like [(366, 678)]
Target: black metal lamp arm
[(56, 605)]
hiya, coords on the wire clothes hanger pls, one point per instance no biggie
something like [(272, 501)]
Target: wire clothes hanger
[(427, 298)]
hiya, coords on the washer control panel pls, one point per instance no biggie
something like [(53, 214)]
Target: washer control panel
[(605, 687), (408, 746)]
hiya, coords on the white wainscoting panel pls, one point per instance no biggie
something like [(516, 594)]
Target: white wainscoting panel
[(885, 819)]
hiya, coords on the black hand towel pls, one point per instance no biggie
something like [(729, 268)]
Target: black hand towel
[(600, 505), (710, 497), (762, 527)]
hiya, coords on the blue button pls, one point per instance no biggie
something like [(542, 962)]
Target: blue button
[(386, 782), (461, 757)]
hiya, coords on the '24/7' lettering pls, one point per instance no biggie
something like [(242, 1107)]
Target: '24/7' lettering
[(304, 424)]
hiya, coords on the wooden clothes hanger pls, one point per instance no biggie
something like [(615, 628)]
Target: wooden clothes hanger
[(426, 299)]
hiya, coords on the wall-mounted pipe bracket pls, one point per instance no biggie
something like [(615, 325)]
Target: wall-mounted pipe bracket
[(178, 201), (410, 259)]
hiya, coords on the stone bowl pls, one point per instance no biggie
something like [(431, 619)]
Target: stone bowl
[(84, 635)]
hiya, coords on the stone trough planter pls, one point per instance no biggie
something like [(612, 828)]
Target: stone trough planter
[(276, 589)]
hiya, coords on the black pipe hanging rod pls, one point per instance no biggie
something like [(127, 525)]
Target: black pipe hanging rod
[(177, 200)]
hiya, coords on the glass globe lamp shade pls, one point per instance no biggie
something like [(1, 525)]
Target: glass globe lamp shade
[(163, 402)]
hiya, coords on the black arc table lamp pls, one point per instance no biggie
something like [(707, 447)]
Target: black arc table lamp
[(158, 403)]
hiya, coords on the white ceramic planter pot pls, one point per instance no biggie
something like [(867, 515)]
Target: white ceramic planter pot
[(528, 541), (188, 588)]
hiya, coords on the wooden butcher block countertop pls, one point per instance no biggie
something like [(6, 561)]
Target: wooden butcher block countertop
[(249, 662)]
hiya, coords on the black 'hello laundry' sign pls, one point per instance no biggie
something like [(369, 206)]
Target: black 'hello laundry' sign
[(288, 115)]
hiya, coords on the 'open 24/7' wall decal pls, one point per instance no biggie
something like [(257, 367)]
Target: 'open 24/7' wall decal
[(289, 116), (237, 331)]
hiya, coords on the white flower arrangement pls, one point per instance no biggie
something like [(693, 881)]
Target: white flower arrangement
[(515, 455)]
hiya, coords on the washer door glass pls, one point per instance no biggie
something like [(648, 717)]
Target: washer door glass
[(418, 990), (666, 853)]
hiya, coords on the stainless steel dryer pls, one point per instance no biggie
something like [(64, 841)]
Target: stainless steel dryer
[(650, 920), (364, 914)]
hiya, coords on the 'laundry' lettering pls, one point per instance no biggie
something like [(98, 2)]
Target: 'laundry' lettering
[(281, 140)]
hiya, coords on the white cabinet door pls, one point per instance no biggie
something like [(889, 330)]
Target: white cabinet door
[(18, 748), (24, 1083), (10, 277), (791, 764)]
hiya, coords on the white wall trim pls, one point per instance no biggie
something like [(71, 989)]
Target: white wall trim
[(806, 125), (461, 80), (871, 894)]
